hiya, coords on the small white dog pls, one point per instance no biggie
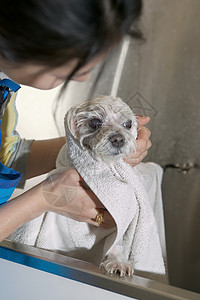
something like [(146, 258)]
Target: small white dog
[(107, 128), (100, 133)]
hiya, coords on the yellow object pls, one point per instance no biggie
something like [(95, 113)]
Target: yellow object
[(9, 137), (99, 218)]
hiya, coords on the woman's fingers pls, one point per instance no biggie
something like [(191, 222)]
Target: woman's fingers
[(142, 120), (143, 142)]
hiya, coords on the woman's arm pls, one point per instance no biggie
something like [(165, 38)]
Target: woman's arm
[(42, 156), (62, 193), (19, 211)]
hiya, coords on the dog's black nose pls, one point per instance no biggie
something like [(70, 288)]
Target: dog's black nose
[(117, 140)]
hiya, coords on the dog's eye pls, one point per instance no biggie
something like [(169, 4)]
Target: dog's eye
[(128, 124), (95, 123)]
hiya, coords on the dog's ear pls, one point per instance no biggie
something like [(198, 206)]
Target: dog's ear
[(70, 124)]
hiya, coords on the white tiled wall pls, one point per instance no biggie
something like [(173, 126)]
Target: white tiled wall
[(35, 118)]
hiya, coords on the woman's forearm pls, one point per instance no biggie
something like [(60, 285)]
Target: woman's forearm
[(42, 157), (21, 210)]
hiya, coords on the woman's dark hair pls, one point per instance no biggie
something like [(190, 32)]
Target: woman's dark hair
[(52, 32)]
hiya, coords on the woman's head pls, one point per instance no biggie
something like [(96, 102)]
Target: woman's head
[(52, 34)]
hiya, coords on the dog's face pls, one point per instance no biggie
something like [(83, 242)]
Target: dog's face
[(105, 126)]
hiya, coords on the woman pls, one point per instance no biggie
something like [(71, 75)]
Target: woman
[(42, 44)]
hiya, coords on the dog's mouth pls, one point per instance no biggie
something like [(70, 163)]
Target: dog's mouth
[(118, 152)]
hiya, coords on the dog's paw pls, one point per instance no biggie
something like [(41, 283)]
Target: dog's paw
[(122, 268)]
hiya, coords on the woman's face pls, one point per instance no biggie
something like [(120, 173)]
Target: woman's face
[(42, 78)]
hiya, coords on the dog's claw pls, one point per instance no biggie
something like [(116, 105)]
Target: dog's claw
[(116, 267)]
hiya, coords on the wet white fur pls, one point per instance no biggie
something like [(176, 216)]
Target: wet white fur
[(113, 113)]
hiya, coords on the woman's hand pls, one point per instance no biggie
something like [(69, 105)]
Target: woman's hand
[(66, 193), (143, 142), (63, 193)]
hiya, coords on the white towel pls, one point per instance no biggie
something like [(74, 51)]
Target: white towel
[(133, 198), (123, 191)]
